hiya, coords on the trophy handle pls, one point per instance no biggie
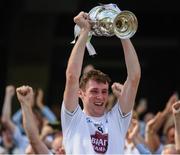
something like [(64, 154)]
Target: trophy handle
[(125, 24)]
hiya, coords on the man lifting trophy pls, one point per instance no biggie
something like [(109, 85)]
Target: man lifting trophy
[(92, 128), (108, 20)]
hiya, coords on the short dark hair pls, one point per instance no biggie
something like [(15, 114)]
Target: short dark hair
[(95, 75)]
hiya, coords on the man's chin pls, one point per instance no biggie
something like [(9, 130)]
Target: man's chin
[(99, 111)]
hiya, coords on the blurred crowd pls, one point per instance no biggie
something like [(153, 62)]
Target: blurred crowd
[(32, 123)]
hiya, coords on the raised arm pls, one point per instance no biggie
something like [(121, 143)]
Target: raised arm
[(176, 114), (129, 91), (151, 136), (6, 110), (46, 111), (167, 111), (137, 139), (26, 97), (75, 61)]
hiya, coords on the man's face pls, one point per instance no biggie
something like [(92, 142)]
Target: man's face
[(94, 98), (57, 146), (171, 149), (170, 135), (7, 138)]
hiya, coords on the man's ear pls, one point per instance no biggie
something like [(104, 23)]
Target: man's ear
[(80, 93)]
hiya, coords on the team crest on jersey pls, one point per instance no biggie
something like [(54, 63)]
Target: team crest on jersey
[(99, 142)]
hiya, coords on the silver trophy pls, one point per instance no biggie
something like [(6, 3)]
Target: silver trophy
[(108, 20)]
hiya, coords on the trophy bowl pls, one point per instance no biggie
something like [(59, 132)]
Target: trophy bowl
[(108, 20)]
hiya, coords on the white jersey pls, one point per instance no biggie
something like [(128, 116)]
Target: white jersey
[(83, 134)]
